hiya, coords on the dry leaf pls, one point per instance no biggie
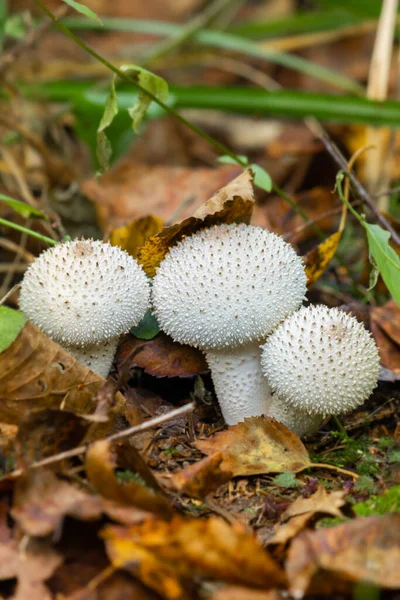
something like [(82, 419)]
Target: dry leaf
[(231, 204), (131, 237), (30, 567), (365, 549), (302, 510), (102, 459), (35, 372), (236, 592), (317, 260), (169, 556), (162, 357), (256, 446), (200, 478), (385, 325)]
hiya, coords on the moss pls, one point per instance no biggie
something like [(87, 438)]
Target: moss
[(380, 505)]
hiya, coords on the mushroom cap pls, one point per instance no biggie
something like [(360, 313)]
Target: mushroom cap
[(321, 360), (295, 419), (226, 286), (84, 292)]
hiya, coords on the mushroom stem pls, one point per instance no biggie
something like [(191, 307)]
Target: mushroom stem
[(97, 357), (294, 418), (241, 388)]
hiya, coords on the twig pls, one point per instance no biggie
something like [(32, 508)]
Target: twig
[(177, 412), (7, 60), (362, 192)]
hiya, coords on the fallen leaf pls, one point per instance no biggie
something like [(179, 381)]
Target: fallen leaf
[(141, 489), (132, 190), (385, 325), (236, 592), (31, 567), (200, 478), (362, 550), (47, 432), (35, 372), (131, 237), (303, 510), (42, 501), (256, 446), (231, 204), (317, 260), (162, 357), (169, 556)]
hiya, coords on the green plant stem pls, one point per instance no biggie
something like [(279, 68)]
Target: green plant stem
[(34, 234)]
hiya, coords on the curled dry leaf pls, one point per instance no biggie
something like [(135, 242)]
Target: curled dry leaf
[(31, 568), (35, 372), (141, 490), (232, 204), (303, 510), (256, 446), (162, 357), (385, 325), (317, 260), (362, 550), (170, 556)]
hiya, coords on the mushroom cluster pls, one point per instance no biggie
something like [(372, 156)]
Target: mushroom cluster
[(229, 288), (84, 294)]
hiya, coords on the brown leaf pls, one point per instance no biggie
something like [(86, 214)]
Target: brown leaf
[(236, 592), (256, 446), (385, 325), (130, 191), (42, 501), (162, 357), (365, 549), (30, 567), (131, 237), (317, 260), (231, 204), (35, 372), (169, 556), (200, 478), (102, 458), (48, 432), (302, 510)]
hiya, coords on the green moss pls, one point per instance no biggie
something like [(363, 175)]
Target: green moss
[(380, 505)]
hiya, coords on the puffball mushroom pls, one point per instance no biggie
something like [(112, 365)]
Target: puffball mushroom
[(223, 290), (84, 294), (321, 361)]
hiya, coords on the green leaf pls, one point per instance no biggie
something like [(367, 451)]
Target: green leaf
[(11, 323), (20, 207), (150, 82), (104, 149), (147, 328), (386, 259), (229, 160), (84, 10), (261, 178), (365, 483), (287, 480)]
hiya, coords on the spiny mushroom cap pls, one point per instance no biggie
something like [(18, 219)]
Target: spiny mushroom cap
[(321, 360), (226, 286), (84, 292)]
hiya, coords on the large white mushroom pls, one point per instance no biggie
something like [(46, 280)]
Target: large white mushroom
[(223, 290), (84, 294), (320, 361)]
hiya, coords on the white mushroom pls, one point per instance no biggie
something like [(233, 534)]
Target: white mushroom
[(223, 290), (294, 418), (320, 361), (83, 294)]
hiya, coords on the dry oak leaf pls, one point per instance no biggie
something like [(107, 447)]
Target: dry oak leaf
[(365, 549), (35, 372), (256, 446), (102, 460), (162, 357), (317, 260), (303, 510), (170, 556), (232, 204), (31, 567)]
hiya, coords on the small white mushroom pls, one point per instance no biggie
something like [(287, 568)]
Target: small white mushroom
[(223, 290), (320, 361), (83, 294), (294, 418), (97, 357)]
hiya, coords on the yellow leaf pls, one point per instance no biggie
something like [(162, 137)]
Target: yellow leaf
[(133, 236), (317, 260)]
